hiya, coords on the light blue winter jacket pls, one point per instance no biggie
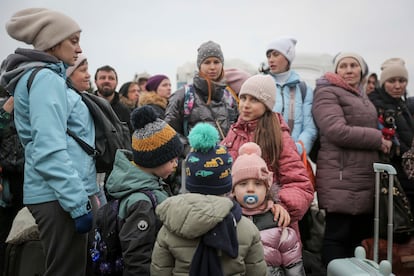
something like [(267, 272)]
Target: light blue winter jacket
[(56, 168), (304, 128)]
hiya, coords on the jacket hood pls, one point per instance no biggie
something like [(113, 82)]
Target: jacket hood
[(131, 104), (333, 79), (198, 213), (126, 178), (152, 98), (17, 64)]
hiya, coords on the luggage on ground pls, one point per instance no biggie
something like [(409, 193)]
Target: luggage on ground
[(360, 265)]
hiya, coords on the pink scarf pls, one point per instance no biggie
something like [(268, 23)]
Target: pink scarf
[(264, 207)]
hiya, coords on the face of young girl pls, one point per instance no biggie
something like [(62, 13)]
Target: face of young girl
[(250, 108), (250, 193)]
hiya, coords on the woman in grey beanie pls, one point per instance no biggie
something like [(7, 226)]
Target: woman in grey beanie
[(206, 99), (59, 176)]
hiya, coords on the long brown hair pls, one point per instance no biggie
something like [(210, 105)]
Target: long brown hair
[(268, 136), (209, 83)]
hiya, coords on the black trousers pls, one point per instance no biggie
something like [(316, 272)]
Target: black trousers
[(65, 249), (343, 233)]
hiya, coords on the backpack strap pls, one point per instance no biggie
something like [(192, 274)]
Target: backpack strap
[(303, 88), (188, 106), (291, 118), (233, 94), (151, 196), (85, 146), (32, 76)]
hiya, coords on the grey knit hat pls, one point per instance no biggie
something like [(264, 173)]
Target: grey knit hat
[(42, 28), (262, 87), (391, 68), (209, 49)]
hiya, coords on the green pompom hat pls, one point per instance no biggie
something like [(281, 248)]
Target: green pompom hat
[(208, 165)]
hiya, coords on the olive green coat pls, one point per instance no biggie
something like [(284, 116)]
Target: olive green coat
[(186, 218)]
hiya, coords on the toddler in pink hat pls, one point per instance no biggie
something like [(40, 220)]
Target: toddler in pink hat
[(251, 189)]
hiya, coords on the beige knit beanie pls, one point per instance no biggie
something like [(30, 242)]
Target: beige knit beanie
[(361, 61), (71, 69), (262, 87), (391, 68), (42, 28)]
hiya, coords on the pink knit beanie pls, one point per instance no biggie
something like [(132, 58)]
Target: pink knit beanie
[(262, 87), (235, 78), (250, 165)]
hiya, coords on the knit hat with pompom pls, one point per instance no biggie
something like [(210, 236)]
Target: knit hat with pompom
[(154, 142), (250, 165), (208, 165)]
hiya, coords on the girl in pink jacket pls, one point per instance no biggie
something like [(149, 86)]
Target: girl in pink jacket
[(258, 123), (251, 189)]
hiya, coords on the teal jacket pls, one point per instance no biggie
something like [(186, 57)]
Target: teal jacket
[(304, 128), (139, 225), (56, 168)]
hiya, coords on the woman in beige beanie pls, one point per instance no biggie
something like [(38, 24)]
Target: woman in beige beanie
[(59, 176), (390, 101)]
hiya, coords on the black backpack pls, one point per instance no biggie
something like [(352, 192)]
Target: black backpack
[(110, 133), (106, 251)]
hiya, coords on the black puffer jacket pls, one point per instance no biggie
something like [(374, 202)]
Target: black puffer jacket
[(404, 131), (219, 109)]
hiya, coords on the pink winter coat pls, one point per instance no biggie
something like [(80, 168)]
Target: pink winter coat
[(295, 189)]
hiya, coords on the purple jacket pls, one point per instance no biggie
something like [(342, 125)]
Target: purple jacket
[(350, 140)]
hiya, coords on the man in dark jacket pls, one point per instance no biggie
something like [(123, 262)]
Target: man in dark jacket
[(106, 80)]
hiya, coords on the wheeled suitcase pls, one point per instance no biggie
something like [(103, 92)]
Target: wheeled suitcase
[(24, 259), (360, 265)]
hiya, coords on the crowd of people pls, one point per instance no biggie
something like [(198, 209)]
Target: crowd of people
[(221, 155)]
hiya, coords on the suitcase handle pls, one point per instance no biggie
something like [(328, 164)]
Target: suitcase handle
[(380, 167)]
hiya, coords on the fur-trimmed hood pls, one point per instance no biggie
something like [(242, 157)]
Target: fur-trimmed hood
[(127, 102), (153, 98)]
